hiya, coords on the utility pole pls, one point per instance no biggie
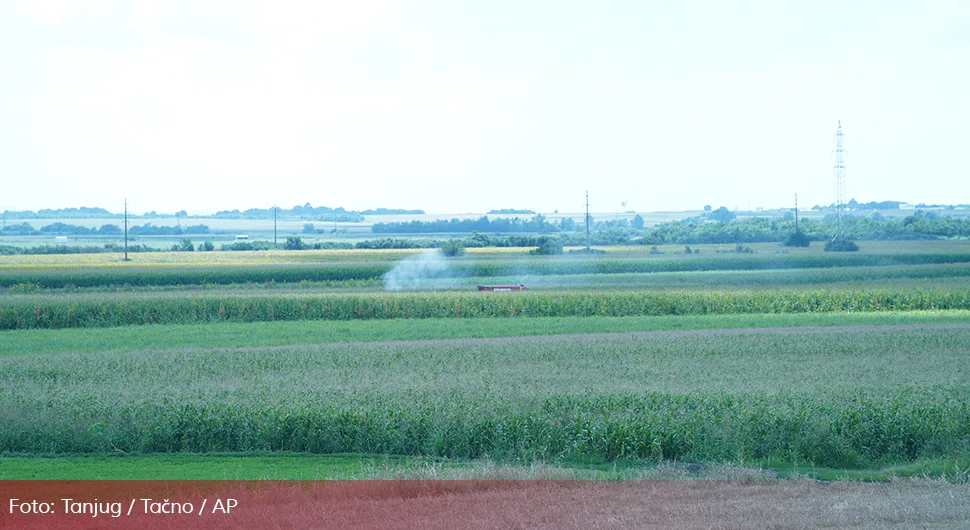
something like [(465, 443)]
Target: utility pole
[(796, 213), (126, 230), (839, 169), (274, 226), (587, 220)]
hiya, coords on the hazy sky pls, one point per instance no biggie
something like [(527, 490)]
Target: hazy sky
[(463, 106)]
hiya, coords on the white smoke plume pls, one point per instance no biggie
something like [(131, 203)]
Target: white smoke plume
[(427, 270)]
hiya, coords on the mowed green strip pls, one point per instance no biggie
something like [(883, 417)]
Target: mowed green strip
[(304, 466), (204, 467), (229, 334)]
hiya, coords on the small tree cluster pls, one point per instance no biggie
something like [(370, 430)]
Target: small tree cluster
[(550, 246), (452, 248)]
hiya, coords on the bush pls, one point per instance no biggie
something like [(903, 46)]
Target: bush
[(331, 245), (207, 246), (797, 239), (248, 245), (588, 251), (452, 247), (841, 245), (549, 247)]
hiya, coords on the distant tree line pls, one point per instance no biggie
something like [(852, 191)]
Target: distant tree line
[(63, 229), (538, 224), (306, 212), (74, 249), (71, 213), (392, 211), (153, 230), (921, 225), (697, 230), (510, 211)]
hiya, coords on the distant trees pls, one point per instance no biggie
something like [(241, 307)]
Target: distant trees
[(722, 215), (68, 229), (537, 224), (184, 246), (510, 211), (22, 228), (637, 222), (307, 211), (392, 211)]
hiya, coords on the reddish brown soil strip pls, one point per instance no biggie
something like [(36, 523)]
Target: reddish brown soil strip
[(504, 504)]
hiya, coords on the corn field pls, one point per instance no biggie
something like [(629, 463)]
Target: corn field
[(122, 309), (59, 277), (837, 398)]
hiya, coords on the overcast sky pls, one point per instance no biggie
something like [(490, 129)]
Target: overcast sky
[(463, 106)]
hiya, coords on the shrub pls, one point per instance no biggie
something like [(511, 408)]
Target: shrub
[(294, 243), (184, 246), (550, 246), (841, 245), (452, 247), (797, 239)]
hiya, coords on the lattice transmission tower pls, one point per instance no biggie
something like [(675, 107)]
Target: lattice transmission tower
[(839, 170)]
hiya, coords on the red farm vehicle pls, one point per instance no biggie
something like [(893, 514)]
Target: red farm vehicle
[(518, 287)]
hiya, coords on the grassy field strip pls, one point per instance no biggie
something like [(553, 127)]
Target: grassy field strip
[(846, 397), (229, 334)]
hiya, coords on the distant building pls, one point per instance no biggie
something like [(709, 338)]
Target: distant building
[(907, 206)]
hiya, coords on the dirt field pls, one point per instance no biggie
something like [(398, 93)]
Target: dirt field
[(538, 504)]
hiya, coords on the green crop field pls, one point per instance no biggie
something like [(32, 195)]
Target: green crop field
[(846, 365)]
